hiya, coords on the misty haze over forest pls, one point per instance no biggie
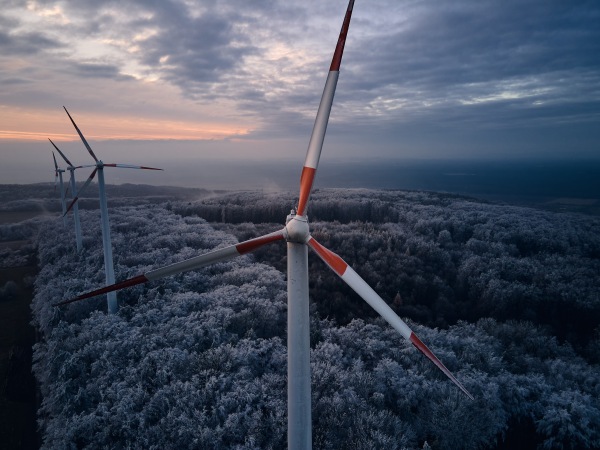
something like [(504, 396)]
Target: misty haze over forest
[(563, 185)]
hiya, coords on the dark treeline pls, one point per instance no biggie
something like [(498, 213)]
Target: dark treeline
[(45, 197), (198, 360), (440, 258)]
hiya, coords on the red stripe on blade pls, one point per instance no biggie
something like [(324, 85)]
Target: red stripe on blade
[(71, 205), (253, 244), (114, 287), (425, 350), (306, 182), (339, 49), (336, 263), (130, 166)]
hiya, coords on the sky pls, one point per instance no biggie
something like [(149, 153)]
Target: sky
[(179, 83)]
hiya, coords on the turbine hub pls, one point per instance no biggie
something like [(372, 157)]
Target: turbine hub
[(296, 228)]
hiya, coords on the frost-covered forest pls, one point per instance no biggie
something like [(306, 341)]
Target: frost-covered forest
[(507, 297)]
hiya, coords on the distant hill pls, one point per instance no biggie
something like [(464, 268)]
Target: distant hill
[(44, 197)]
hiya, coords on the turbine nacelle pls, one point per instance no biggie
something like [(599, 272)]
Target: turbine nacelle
[(296, 228)]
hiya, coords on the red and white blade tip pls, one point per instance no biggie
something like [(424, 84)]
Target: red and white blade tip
[(425, 350), (197, 262), (348, 275), (339, 49), (130, 166), (313, 154), (114, 287)]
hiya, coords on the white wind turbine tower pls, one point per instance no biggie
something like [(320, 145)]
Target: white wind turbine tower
[(71, 168), (297, 235), (58, 174), (111, 297)]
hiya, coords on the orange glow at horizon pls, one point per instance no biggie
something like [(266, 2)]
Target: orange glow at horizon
[(35, 125)]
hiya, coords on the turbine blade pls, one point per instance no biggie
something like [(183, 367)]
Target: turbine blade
[(83, 188), (84, 166), (81, 136), (61, 153), (197, 262), (313, 154), (346, 273), (131, 166), (55, 171)]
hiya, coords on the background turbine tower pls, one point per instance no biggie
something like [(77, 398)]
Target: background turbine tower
[(297, 234), (111, 297), (71, 168), (58, 174)]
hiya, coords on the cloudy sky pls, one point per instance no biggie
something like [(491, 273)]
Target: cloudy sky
[(174, 83)]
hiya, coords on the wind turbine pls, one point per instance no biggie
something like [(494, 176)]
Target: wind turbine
[(297, 235), (71, 168), (111, 297), (58, 174)]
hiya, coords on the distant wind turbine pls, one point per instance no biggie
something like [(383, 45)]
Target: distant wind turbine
[(111, 297), (71, 168), (297, 235), (58, 174)]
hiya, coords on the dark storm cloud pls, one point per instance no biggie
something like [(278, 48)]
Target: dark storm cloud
[(545, 51), (95, 70), (471, 42), (13, 42)]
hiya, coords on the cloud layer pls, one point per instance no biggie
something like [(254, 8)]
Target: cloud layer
[(419, 77)]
